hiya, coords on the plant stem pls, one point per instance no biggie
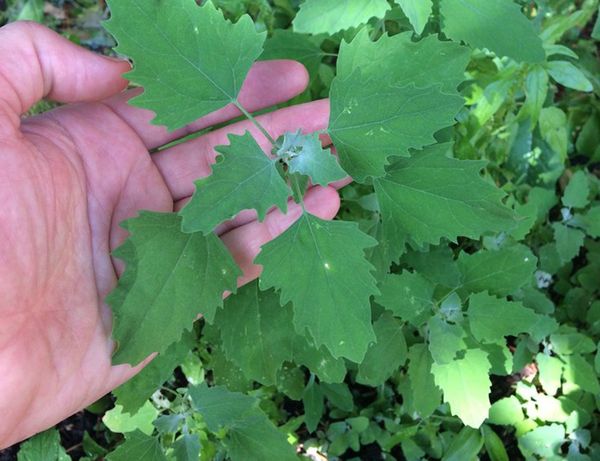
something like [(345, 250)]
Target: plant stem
[(255, 122)]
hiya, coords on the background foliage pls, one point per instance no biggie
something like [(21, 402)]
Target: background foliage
[(487, 326)]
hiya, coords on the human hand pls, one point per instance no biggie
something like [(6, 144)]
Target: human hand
[(67, 179)]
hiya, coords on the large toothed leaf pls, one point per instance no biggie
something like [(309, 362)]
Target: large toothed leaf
[(189, 59), (466, 386), (501, 272), (320, 267), (493, 25), (491, 318), (167, 272), (430, 196), (386, 355), (257, 333), (391, 96), (243, 178), (331, 16)]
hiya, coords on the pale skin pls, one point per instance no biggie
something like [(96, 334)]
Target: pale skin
[(67, 179)]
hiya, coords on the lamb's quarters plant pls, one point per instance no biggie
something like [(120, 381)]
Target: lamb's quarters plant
[(451, 309)]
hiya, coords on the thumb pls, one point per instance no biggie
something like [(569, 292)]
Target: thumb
[(37, 63)]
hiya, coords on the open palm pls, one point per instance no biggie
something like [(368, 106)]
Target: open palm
[(67, 179)]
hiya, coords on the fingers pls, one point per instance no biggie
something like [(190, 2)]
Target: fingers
[(182, 164), (268, 83), (245, 242), (38, 63)]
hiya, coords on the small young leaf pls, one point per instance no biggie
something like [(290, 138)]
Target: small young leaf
[(184, 73), (568, 241), (493, 25), (466, 445), (568, 75), (385, 356), (244, 178), (577, 192), (304, 155), (167, 271), (467, 376), (320, 267), (331, 16), (314, 405)]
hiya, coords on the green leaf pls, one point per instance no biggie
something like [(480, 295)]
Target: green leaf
[(581, 373), (184, 75), (250, 434), (437, 265), (320, 267), (134, 393), (138, 445), (428, 62), (118, 421), (430, 196), (257, 333), (467, 376), (304, 155), (568, 241), (572, 342), (43, 447), (408, 295), (536, 90), (167, 271), (577, 192), (243, 178), (494, 445), (466, 445), (286, 44), (318, 360), (385, 356), (491, 318), (568, 75), (378, 112), (331, 16), (339, 395), (187, 448), (596, 30), (591, 222), (506, 412), (501, 272), (550, 371), (417, 12), (445, 340), (493, 25), (544, 441), (314, 405), (426, 396)]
